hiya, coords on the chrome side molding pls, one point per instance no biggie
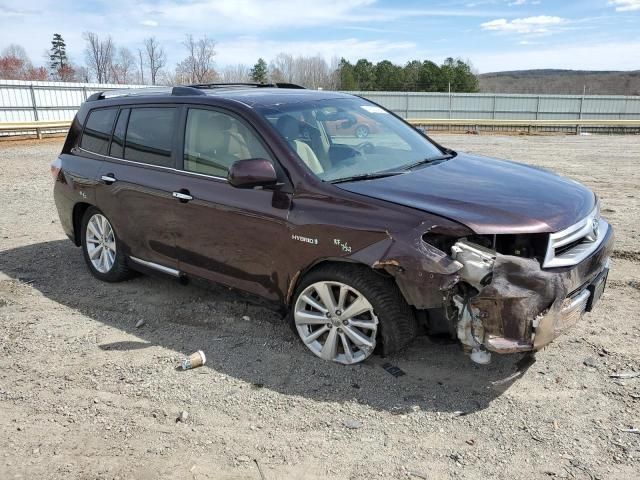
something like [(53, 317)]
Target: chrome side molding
[(156, 266)]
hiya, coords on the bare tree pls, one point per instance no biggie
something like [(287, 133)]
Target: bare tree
[(82, 74), (281, 68), (199, 64), (122, 69), (99, 56), (17, 51), (312, 72), (141, 73), (156, 58), (235, 74)]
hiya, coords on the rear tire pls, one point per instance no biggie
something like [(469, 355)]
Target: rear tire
[(103, 251), (390, 318)]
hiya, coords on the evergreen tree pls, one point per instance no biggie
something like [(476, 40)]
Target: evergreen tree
[(411, 74), (364, 74), (259, 71), (58, 55), (347, 79), (389, 77)]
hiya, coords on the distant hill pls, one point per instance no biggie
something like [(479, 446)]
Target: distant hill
[(567, 82)]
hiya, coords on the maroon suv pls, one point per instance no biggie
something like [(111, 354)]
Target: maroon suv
[(364, 244)]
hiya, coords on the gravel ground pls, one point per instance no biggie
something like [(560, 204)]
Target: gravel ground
[(86, 394)]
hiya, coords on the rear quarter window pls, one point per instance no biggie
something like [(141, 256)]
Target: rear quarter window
[(97, 130), (150, 134)]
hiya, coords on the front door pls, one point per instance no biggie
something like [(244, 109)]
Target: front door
[(229, 235)]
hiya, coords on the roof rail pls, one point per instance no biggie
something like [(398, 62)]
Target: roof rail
[(181, 90), (134, 92), (241, 84)]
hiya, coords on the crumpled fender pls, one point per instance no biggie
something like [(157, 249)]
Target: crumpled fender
[(422, 277)]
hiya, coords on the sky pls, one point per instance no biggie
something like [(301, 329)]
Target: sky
[(495, 35)]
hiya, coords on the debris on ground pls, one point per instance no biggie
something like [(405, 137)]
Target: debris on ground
[(182, 416), (630, 430), (393, 370), (352, 424), (195, 360), (625, 375)]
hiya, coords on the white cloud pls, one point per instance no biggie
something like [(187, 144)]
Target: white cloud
[(149, 23), (255, 13), (247, 49), (625, 5), (528, 25), (241, 16), (517, 2)]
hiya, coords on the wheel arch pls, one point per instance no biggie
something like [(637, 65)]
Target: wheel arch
[(320, 263), (76, 220)]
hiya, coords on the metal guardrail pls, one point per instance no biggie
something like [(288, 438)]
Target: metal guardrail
[(43, 126), (528, 124), (521, 122), (34, 127)]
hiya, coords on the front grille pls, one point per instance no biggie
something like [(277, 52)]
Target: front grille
[(569, 246), (572, 245)]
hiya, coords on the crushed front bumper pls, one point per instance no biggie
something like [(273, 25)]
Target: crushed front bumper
[(525, 307)]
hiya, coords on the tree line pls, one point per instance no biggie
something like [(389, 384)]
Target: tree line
[(105, 62), (415, 76)]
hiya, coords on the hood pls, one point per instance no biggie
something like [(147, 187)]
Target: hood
[(487, 195)]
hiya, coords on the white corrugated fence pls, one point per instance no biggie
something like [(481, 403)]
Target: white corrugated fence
[(23, 101)]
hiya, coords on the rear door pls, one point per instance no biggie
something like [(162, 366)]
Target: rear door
[(139, 178), (229, 235)]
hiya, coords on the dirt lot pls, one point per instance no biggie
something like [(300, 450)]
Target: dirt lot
[(86, 394)]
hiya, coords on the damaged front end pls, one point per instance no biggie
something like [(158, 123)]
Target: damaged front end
[(495, 292)]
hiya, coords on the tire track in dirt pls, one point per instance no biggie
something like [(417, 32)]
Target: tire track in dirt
[(627, 255)]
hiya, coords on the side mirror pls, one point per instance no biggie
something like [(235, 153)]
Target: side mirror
[(254, 172)]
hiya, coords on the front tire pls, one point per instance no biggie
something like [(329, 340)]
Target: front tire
[(343, 313), (102, 250)]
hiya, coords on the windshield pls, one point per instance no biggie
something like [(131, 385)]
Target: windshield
[(341, 138)]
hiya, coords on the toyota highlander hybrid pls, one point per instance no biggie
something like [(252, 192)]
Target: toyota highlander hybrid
[(364, 241)]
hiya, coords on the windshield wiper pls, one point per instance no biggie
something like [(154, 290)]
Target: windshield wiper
[(366, 176), (429, 160)]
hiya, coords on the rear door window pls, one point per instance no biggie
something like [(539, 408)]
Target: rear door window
[(149, 137), (97, 130)]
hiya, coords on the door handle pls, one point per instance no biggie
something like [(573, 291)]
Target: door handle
[(108, 178), (183, 196)]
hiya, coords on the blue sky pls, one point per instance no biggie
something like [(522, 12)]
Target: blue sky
[(493, 34)]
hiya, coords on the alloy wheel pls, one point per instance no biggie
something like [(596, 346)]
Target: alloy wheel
[(101, 243), (336, 322)]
